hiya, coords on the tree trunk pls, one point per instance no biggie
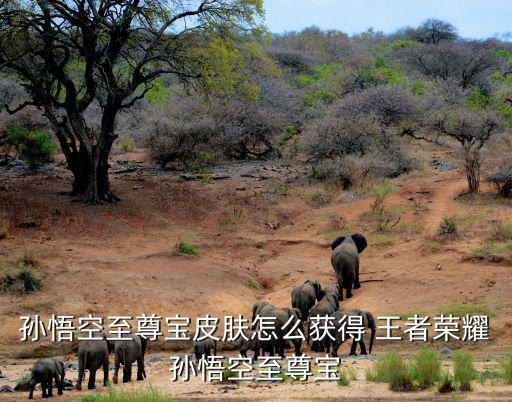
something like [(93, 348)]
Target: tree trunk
[(473, 173), (98, 183)]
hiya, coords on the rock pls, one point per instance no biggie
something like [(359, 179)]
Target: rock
[(28, 224), (446, 351), (154, 359), (5, 389), (439, 267), (229, 388), (71, 366), (68, 384)]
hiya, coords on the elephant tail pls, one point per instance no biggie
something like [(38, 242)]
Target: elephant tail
[(373, 329)]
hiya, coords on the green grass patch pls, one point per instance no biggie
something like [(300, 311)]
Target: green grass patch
[(21, 279), (463, 369), (125, 395), (185, 247), (506, 369), (394, 370), (127, 144), (447, 226), (253, 284), (426, 367), (445, 383), (461, 310)]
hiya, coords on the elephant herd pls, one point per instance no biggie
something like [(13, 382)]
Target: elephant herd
[(92, 355), (308, 300)]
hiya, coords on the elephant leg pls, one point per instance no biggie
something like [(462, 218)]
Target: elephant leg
[(353, 348), (348, 287), (31, 389), (140, 368), (363, 347), (281, 348), (59, 383), (81, 374), (297, 343), (335, 346), (321, 346), (357, 284), (127, 372), (44, 386), (105, 373), (256, 355), (50, 387), (116, 369), (92, 379), (327, 345)]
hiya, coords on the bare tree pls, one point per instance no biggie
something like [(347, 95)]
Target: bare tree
[(467, 63), (433, 31), (69, 54)]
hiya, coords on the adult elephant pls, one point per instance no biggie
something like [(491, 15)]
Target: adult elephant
[(281, 317), (305, 296), (127, 352), (345, 261), (93, 355)]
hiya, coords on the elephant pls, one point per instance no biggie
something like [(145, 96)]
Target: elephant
[(257, 310), (251, 343), (205, 347), (44, 371), (345, 261), (368, 322), (126, 352), (281, 316), (305, 296), (92, 355), (325, 307)]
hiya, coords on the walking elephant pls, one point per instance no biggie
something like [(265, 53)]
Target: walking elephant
[(305, 296), (367, 322), (205, 348), (324, 308), (128, 352), (345, 261), (93, 355)]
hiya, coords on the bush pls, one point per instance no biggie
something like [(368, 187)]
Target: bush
[(463, 370), (502, 231), (127, 144), (343, 379), (177, 141), (34, 147), (132, 395), (184, 246), (23, 279), (502, 181), (445, 383), (447, 226), (394, 370), (426, 368), (506, 369)]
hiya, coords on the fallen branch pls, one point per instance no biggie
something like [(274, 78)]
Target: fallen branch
[(372, 280)]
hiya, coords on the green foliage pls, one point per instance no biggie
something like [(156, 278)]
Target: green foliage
[(34, 147), (183, 246), (426, 367), (22, 279), (502, 231), (202, 162), (478, 100), (127, 395), (157, 95), (463, 369), (447, 226), (418, 88), (127, 144), (253, 284), (394, 370), (445, 383), (506, 369), (346, 375), (461, 310)]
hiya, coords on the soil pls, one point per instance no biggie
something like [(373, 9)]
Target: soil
[(252, 223)]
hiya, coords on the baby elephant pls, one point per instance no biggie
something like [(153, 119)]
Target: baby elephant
[(251, 343), (127, 352), (206, 347), (44, 372)]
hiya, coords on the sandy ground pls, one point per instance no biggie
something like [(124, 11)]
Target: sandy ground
[(258, 223)]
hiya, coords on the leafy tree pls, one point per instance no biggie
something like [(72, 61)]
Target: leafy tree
[(72, 56), (433, 31)]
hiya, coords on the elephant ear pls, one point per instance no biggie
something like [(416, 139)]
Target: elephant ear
[(337, 242), (360, 242)]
